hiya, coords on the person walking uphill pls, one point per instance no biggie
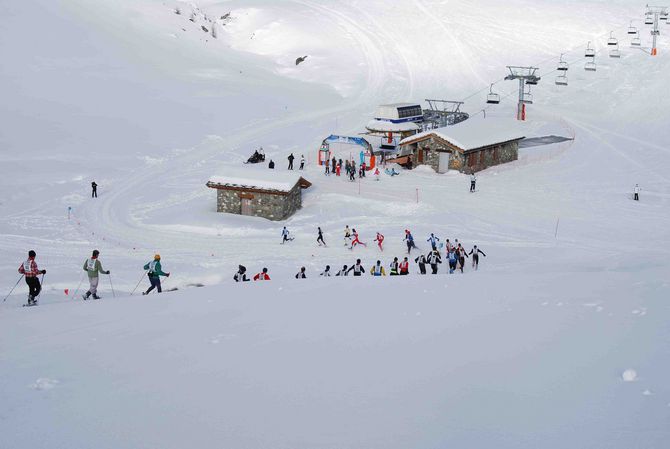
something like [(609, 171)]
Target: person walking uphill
[(154, 273), (636, 192), (473, 182), (290, 161), (475, 252), (94, 190), (93, 267), (30, 270)]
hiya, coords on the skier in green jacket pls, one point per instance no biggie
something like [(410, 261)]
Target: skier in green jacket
[(93, 267), (154, 272)]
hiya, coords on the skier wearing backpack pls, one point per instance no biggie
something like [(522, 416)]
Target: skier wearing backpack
[(326, 272), (301, 274), (421, 260), (453, 260), (343, 271), (241, 275), (319, 238), (93, 267), (302, 161), (30, 270), (262, 276), (434, 258), (433, 241), (357, 268), (377, 270), (475, 252), (380, 239), (154, 272), (394, 267)]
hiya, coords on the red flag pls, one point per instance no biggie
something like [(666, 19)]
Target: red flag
[(67, 291)]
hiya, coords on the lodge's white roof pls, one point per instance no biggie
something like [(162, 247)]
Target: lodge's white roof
[(386, 126), (474, 133), (256, 178)]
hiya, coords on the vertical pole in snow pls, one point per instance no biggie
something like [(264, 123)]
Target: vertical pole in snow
[(654, 34), (521, 113), (359, 185), (556, 232), (69, 209), (417, 196)]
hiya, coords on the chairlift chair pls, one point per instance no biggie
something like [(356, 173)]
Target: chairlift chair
[(562, 80), (648, 19), (631, 29), (612, 41), (615, 53), (528, 97), (590, 66), (562, 65), (531, 82), (492, 98), (589, 52), (636, 41), (664, 16)]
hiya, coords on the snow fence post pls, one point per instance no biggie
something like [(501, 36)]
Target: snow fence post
[(556, 232), (417, 195)]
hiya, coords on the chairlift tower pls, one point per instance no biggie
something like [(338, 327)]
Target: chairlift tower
[(657, 12), (524, 75)]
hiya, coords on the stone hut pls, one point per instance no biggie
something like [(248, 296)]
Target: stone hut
[(470, 146), (268, 194)]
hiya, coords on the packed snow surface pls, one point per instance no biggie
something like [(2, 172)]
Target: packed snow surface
[(530, 351)]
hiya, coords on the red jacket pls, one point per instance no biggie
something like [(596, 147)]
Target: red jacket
[(31, 266), (262, 277), (404, 267)]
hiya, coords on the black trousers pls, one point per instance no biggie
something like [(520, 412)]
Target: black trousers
[(434, 268), (94, 193), (290, 165), (637, 197), (155, 283), (34, 286), (472, 186), (422, 268)]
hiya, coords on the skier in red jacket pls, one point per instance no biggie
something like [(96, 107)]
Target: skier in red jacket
[(380, 239), (30, 270), (262, 276)]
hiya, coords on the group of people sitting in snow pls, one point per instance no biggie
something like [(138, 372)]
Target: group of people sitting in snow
[(454, 253)]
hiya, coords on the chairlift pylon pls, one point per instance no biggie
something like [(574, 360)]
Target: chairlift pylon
[(492, 97), (562, 80), (589, 52), (562, 65)]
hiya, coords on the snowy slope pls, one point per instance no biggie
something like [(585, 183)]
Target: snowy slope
[(527, 352), (278, 365)]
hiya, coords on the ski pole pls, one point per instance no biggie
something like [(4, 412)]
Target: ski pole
[(10, 292), (78, 286), (112, 285), (41, 287), (138, 283)]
